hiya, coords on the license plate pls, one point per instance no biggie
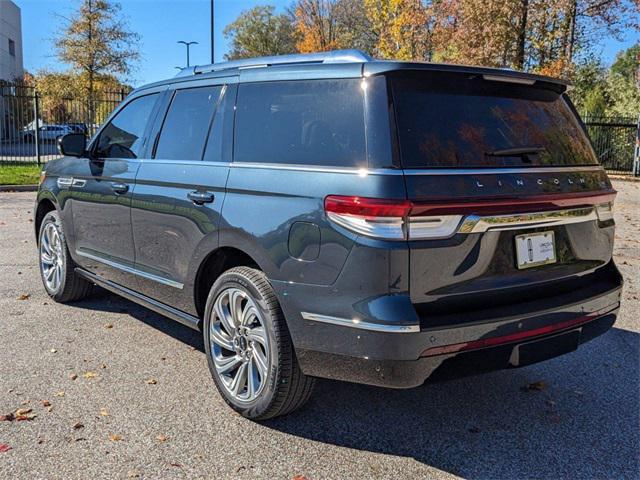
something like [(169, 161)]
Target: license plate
[(535, 249)]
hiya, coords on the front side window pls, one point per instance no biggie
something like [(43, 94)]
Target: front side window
[(186, 125), (123, 136), (319, 122)]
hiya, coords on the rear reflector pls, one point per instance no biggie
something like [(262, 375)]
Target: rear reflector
[(511, 338)]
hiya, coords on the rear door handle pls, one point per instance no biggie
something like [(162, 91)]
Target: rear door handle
[(120, 188), (200, 198)]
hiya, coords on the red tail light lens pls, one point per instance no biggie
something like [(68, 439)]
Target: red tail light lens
[(366, 207)]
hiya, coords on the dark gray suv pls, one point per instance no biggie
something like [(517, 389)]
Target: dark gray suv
[(330, 215)]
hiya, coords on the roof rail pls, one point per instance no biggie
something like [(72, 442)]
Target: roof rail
[(335, 56)]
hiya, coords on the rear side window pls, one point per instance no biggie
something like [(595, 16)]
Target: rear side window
[(185, 127), (318, 122), (456, 121), (123, 135)]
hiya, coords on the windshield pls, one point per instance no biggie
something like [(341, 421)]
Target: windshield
[(461, 121)]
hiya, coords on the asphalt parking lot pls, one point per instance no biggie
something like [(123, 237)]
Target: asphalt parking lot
[(117, 391)]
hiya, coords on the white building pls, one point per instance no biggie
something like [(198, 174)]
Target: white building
[(11, 67)]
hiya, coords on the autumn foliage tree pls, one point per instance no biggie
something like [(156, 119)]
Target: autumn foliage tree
[(96, 42)]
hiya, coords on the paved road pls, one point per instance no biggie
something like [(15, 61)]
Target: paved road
[(583, 424)]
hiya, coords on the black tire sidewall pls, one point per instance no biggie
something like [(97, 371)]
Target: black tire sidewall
[(266, 398), (54, 217)]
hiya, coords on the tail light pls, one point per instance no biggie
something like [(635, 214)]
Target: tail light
[(406, 220), (387, 219)]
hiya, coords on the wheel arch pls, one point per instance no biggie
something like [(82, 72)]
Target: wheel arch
[(44, 206), (212, 266)]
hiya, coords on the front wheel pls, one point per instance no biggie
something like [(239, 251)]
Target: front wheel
[(249, 349), (57, 268)]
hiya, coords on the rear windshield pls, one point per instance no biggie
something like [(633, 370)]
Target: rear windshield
[(456, 121)]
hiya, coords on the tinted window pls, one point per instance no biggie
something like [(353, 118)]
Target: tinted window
[(122, 137), (219, 143), (185, 127), (449, 121), (317, 122)]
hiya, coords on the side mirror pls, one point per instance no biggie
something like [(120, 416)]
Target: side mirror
[(73, 144)]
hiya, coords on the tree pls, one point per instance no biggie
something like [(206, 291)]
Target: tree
[(402, 28), (622, 83), (316, 24), (96, 41), (258, 32)]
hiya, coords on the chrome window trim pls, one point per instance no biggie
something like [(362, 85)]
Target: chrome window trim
[(355, 323), (424, 171), (134, 271), (480, 224), (500, 171)]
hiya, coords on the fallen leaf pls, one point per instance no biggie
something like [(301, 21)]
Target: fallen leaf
[(24, 296), (299, 477), (25, 417), (40, 441), (73, 376), (162, 438), (89, 375), (58, 394), (152, 381), (46, 403), (50, 408), (173, 464), (103, 366), (108, 325), (53, 350), (4, 447), (114, 437), (133, 474), (9, 417), (539, 385), (104, 412), (77, 426), (22, 411)]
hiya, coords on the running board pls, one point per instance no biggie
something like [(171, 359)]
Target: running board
[(158, 307)]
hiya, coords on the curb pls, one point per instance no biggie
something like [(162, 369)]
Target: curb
[(18, 188), (624, 178)]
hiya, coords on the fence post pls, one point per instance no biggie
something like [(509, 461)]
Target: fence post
[(636, 155), (36, 133)]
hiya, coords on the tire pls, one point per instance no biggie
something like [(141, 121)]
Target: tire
[(266, 354), (57, 268)]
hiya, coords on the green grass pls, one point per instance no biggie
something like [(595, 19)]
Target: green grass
[(19, 174)]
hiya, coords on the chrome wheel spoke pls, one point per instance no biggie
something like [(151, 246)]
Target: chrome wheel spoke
[(258, 334), (46, 258), (253, 383), (248, 314), (226, 364), (235, 306), (261, 363), (224, 317), (220, 338), (51, 257), (239, 381)]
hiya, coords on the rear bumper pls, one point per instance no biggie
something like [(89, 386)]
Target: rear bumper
[(406, 358)]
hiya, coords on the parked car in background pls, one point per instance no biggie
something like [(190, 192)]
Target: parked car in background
[(48, 133), (329, 215)]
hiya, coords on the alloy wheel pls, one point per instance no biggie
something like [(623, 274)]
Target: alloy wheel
[(239, 344), (51, 257)]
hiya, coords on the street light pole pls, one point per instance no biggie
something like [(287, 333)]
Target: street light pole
[(187, 44), (213, 60)]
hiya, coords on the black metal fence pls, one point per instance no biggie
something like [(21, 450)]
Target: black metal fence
[(31, 122), (615, 140)]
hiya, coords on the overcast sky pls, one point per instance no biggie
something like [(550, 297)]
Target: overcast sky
[(161, 23)]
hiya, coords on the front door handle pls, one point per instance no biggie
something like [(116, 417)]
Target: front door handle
[(200, 198), (120, 188)]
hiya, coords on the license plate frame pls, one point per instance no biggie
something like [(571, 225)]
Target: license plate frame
[(535, 249)]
